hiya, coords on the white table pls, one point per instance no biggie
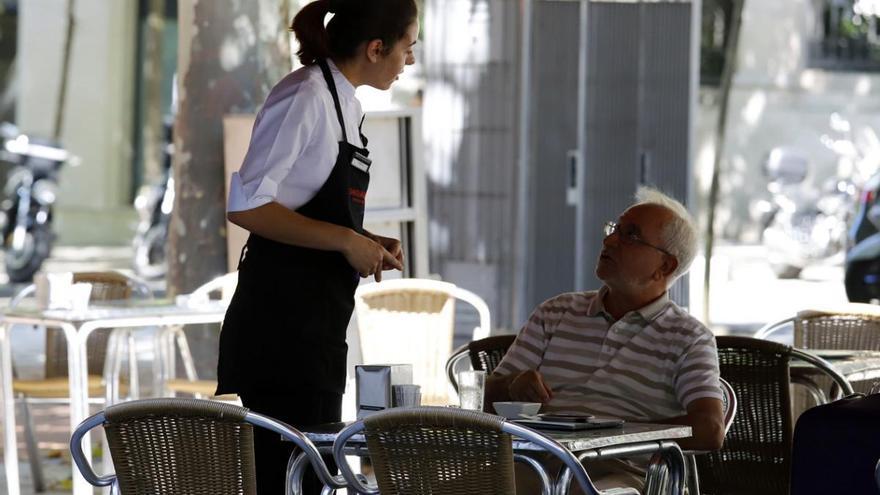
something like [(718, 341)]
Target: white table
[(77, 325)]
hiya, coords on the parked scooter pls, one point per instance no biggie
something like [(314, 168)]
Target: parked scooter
[(30, 194), (803, 226), (154, 204)]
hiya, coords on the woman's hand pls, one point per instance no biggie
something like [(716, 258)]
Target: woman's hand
[(393, 246), (367, 256)]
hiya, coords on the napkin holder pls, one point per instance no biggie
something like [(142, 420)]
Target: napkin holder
[(374, 383)]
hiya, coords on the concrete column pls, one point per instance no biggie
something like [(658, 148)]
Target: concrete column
[(94, 199)]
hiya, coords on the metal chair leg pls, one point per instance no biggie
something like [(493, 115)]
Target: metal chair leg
[(32, 449), (133, 378), (185, 355), (656, 475), (693, 479)]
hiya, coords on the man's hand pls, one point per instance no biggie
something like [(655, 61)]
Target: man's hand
[(529, 386)]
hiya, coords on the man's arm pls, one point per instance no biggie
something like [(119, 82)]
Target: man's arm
[(706, 418), (525, 386)]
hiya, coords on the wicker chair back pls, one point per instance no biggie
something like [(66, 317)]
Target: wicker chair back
[(181, 446), (756, 456), (432, 450)]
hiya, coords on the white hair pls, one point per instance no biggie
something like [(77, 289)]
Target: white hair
[(679, 234)]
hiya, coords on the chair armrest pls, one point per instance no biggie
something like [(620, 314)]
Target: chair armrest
[(79, 458), (826, 367), (771, 328), (300, 441), (546, 484), (457, 356), (354, 481)]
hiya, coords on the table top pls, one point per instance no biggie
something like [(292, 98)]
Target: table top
[(115, 310), (575, 441), (846, 362)]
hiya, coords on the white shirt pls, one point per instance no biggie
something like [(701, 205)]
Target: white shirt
[(295, 141)]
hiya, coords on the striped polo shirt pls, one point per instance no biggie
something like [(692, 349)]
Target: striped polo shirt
[(647, 366)]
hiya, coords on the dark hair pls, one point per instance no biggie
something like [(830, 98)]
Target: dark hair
[(354, 22)]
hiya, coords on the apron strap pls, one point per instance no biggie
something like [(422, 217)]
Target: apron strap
[(325, 69), (364, 139)]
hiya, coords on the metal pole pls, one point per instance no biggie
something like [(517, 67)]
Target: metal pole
[(580, 213), (522, 267)]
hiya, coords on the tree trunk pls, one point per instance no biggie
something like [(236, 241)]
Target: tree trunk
[(65, 70), (231, 53), (730, 60), (230, 57)]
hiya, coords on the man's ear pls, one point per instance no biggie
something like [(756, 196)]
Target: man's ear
[(667, 267), (670, 264), (375, 50)]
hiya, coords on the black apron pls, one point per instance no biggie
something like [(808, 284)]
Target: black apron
[(285, 326)]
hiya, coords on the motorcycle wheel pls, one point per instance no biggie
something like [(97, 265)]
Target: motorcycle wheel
[(149, 253), (862, 281), (22, 265)]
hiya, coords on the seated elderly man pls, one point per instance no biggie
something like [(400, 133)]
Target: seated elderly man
[(625, 350)]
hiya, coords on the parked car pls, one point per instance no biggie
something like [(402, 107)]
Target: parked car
[(862, 267)]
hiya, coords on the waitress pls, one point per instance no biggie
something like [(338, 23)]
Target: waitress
[(301, 193)]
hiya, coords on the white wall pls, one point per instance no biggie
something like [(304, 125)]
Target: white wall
[(94, 200), (776, 101)]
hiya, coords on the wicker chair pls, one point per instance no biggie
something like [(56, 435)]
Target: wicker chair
[(422, 450), (485, 354), (105, 350), (412, 321), (185, 446), (852, 326), (756, 456)]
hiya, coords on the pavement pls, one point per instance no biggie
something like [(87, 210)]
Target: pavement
[(745, 294)]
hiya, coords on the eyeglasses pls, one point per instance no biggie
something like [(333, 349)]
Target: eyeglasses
[(630, 237)]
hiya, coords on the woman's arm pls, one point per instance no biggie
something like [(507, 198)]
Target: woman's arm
[(278, 223)]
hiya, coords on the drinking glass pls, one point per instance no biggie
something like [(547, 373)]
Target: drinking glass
[(407, 395), (471, 387)]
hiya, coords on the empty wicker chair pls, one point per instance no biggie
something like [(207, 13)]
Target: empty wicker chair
[(427, 450), (185, 446), (756, 456), (852, 326), (485, 354), (224, 287), (412, 321)]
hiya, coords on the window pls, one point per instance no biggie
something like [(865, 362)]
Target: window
[(847, 36), (8, 48), (714, 33)]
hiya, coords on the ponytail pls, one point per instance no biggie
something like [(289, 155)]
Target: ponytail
[(308, 26), (354, 22)]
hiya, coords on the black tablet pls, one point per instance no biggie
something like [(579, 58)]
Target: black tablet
[(590, 424)]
